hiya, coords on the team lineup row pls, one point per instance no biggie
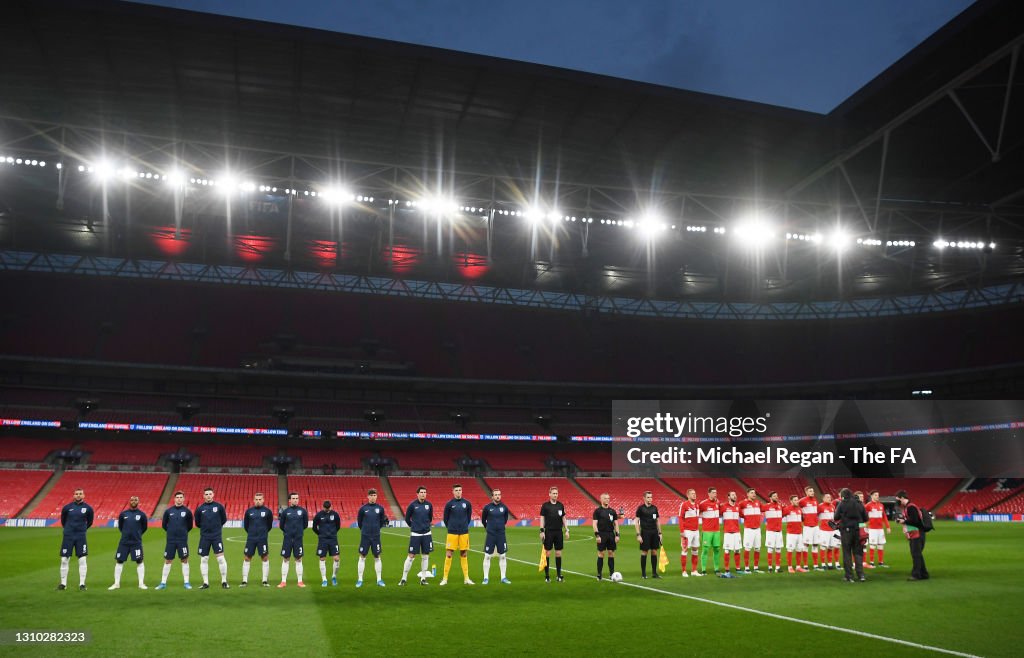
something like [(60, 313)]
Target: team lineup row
[(708, 529)]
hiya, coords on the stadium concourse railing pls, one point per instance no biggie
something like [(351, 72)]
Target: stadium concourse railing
[(99, 266)]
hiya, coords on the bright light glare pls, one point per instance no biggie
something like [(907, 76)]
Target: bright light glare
[(838, 240), (337, 195), (104, 170), (438, 205), (754, 233)]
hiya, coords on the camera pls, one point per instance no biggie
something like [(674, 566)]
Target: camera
[(835, 525)]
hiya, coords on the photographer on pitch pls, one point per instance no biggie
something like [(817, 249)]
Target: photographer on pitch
[(910, 517), (849, 516)]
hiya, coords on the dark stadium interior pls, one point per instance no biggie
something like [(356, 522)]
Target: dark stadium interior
[(134, 301)]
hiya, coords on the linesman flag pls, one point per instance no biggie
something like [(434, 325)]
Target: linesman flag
[(543, 559), (662, 560)]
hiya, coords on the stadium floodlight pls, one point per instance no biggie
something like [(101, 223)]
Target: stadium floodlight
[(754, 233), (176, 178), (248, 186), (438, 205), (650, 225), (534, 214), (337, 196), (838, 240), (104, 170)]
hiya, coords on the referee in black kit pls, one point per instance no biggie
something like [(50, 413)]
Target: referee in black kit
[(850, 514), (553, 522), (648, 533)]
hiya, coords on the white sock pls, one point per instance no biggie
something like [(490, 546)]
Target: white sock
[(204, 568), (487, 565), (323, 569), (166, 572), (118, 566), (424, 563), (245, 570), (377, 566), (502, 564), (284, 571), (266, 570), (184, 570), (64, 567), (298, 571), (83, 568), (140, 569), (406, 567), (222, 562), (360, 568), (334, 572)]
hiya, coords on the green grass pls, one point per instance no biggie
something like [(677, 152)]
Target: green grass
[(971, 604)]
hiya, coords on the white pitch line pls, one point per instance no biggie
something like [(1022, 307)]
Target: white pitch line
[(763, 613)]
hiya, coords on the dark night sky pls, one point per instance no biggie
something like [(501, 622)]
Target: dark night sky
[(806, 54)]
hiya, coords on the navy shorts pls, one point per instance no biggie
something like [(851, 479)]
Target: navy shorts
[(424, 544), (369, 544), (125, 552), (325, 548), (206, 543), (492, 542), (75, 543), (252, 546), (179, 547), (291, 547)]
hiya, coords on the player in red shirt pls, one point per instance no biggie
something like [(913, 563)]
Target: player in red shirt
[(772, 533), (750, 512), (878, 528), (828, 542), (731, 542), (794, 534), (809, 511), (689, 531), (710, 537)]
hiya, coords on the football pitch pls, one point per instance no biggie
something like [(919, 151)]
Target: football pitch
[(969, 607)]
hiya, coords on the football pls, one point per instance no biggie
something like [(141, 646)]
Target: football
[(616, 577)]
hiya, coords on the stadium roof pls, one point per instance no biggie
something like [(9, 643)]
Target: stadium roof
[(932, 147)]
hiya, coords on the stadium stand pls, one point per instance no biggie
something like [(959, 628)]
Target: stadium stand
[(234, 491), (981, 495), (1014, 504), (107, 491), (422, 458), (126, 452), (525, 495), (628, 493), (342, 456), (439, 492), (17, 487), (18, 449), (529, 458), (216, 455), (923, 491), (701, 484), (590, 460), (346, 493)]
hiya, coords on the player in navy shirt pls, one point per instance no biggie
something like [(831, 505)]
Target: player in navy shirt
[(293, 521), (494, 517), (420, 518), (371, 518), (210, 519), (326, 525), (458, 513), (258, 521), (177, 523), (132, 523), (76, 517)]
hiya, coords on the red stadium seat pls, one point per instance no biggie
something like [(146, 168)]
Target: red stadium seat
[(235, 492), (18, 487), (107, 491), (346, 493)]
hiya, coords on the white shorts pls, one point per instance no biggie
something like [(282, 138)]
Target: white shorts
[(731, 541), (828, 539), (752, 539), (773, 540), (810, 536), (692, 538), (795, 543), (876, 537)]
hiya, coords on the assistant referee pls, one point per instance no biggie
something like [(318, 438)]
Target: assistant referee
[(648, 533), (553, 523)]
